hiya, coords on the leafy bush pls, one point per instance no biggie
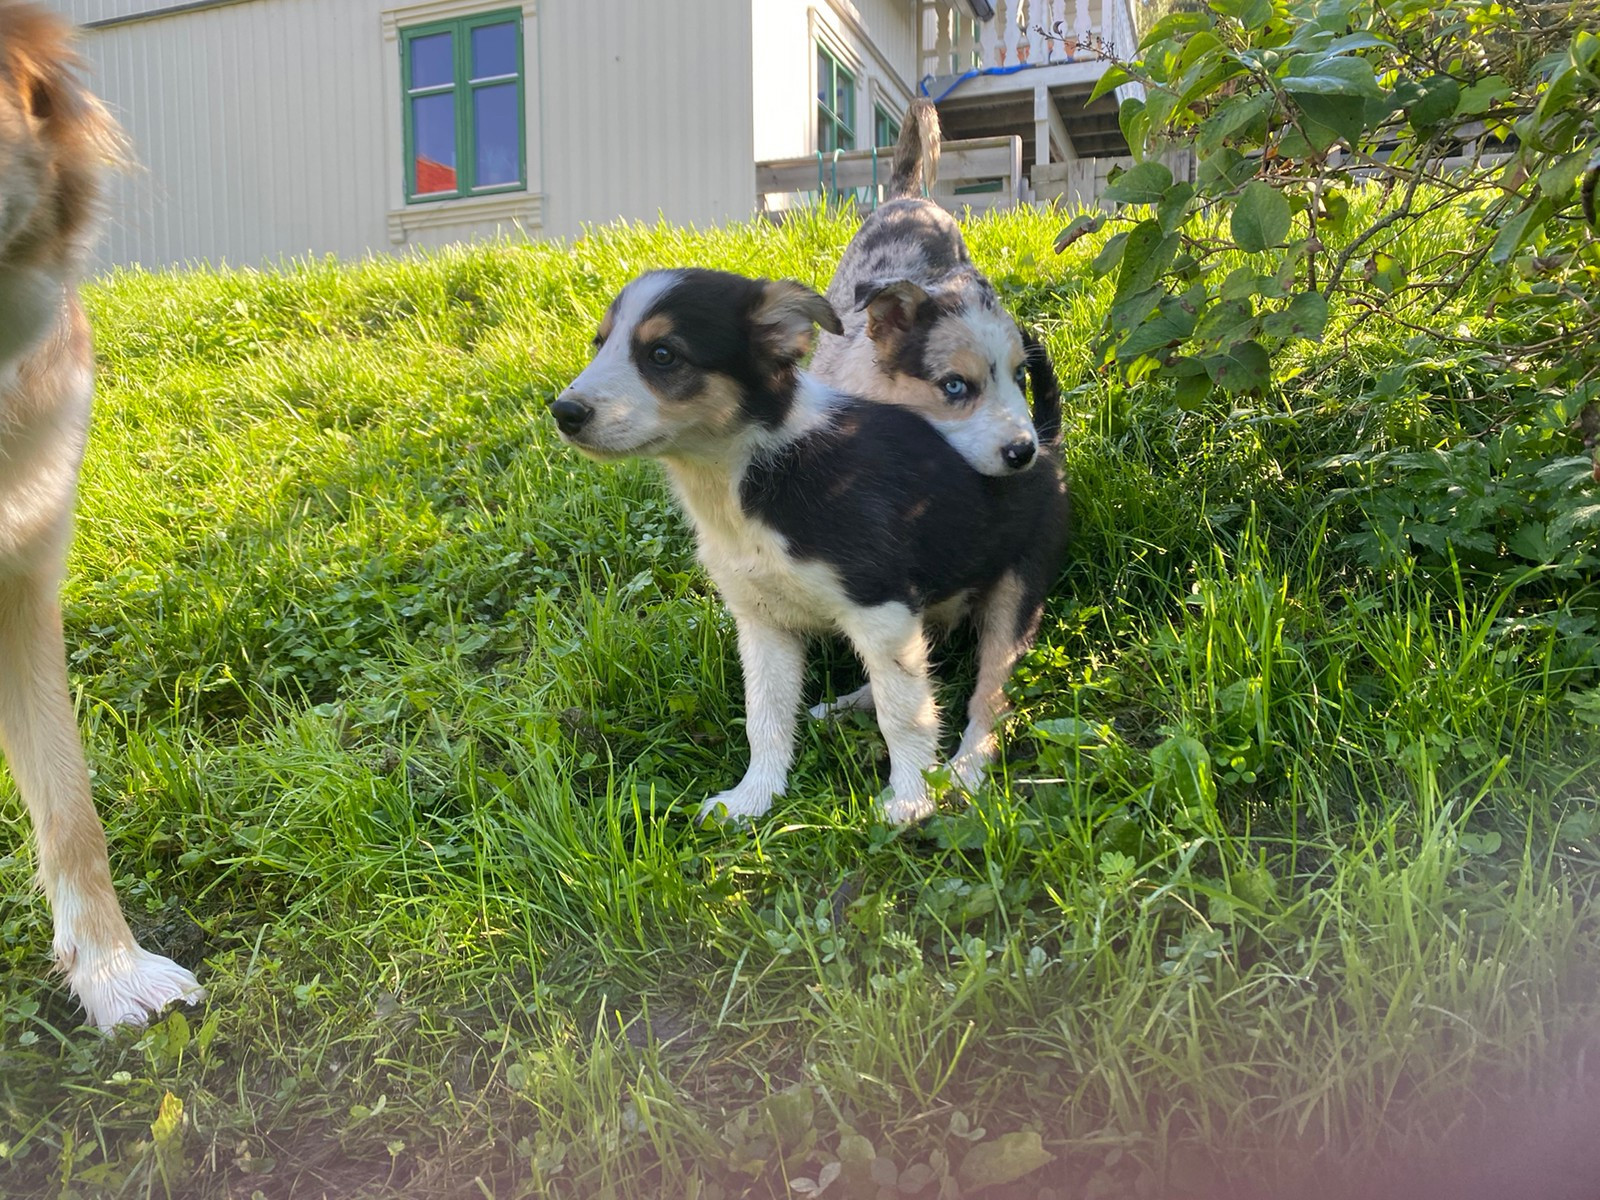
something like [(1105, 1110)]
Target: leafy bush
[(1325, 133)]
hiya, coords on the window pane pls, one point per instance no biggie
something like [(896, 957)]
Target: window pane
[(433, 128), (432, 61), (494, 50), (495, 125), (845, 98), (824, 78)]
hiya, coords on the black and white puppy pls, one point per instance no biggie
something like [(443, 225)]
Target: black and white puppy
[(818, 512), (921, 326)]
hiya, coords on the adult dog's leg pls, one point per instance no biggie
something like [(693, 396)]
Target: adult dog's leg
[(774, 662), (890, 640), (117, 982), (1009, 622)]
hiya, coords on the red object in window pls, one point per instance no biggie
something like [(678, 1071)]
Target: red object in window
[(434, 176)]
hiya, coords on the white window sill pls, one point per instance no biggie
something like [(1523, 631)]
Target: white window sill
[(525, 209)]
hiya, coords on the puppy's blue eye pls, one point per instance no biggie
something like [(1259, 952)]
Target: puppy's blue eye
[(955, 387), (1022, 376), (662, 356)]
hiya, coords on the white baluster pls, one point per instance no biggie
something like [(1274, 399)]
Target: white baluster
[(942, 44), (1024, 34), (1081, 24), (999, 52)]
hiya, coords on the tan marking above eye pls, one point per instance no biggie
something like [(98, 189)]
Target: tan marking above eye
[(971, 366), (607, 324), (653, 329)]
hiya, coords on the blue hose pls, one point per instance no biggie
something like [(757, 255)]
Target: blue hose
[(922, 84)]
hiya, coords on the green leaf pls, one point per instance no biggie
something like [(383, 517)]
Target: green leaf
[(1245, 368), (1518, 230), (1009, 1156), (1174, 206), (1183, 774), (1255, 13), (1224, 171), (792, 1113), (1434, 101), (1175, 23), (1110, 254), (1114, 77), (1306, 316), (1172, 322), (1339, 76), (1148, 254), (1335, 208), (1481, 96), (1190, 384), (1558, 180), (1386, 272), (1328, 119), (1134, 123), (1260, 218), (1241, 117), (1081, 226), (1227, 322), (1143, 183)]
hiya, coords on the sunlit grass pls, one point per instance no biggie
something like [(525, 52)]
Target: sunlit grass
[(399, 711)]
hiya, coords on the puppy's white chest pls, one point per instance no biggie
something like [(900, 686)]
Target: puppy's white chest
[(765, 581), (752, 565)]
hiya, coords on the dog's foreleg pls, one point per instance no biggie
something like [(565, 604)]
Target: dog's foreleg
[(1010, 620), (891, 642), (117, 982), (774, 672), (859, 700)]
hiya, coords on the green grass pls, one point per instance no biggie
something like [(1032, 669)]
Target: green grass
[(399, 712)]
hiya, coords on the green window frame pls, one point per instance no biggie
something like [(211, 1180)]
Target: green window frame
[(885, 127), (836, 120), (463, 89)]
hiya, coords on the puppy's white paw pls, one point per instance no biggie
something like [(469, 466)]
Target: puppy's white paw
[(968, 770), (859, 700), (907, 806), (127, 985), (738, 803)]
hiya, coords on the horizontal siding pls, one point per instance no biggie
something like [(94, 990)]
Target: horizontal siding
[(892, 25), (270, 128), (646, 111), (257, 129), (86, 11)]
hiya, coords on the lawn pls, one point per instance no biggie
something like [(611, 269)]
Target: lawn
[(399, 713)]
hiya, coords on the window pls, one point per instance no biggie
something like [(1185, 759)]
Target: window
[(836, 104), (885, 129), (463, 83)]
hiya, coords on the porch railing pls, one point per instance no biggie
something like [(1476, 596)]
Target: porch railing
[(1021, 32), (977, 173)]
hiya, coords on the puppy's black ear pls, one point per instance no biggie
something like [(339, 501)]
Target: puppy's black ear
[(786, 317), (891, 307)]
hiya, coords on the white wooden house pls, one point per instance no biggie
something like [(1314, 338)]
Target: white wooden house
[(274, 128)]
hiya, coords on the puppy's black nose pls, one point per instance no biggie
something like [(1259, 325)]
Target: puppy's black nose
[(1019, 453), (571, 415)]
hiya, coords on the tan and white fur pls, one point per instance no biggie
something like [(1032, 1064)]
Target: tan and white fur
[(923, 328), (55, 140)]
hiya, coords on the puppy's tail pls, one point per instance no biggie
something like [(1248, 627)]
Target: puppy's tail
[(1046, 391), (916, 154)]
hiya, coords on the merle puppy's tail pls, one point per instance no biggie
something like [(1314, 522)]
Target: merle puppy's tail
[(1046, 391), (916, 154)]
